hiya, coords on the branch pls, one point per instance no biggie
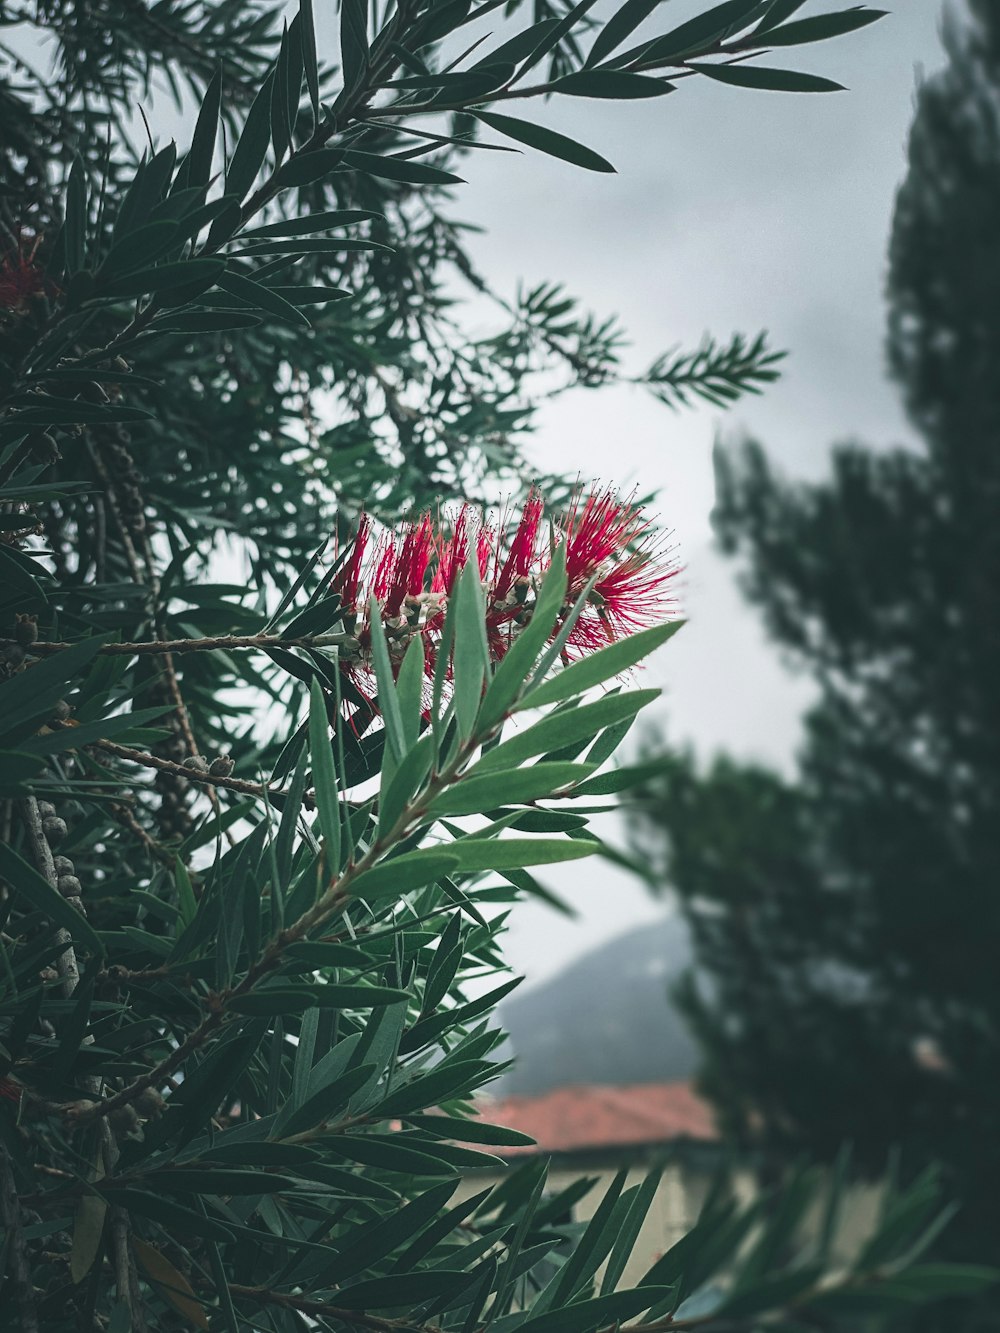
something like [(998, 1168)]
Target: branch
[(41, 852), (225, 642), (194, 775)]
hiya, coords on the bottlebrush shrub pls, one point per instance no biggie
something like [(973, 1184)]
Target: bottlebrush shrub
[(246, 979)]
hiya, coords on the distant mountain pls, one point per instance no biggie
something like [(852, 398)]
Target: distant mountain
[(607, 1018)]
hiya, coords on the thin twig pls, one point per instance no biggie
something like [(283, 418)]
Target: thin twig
[(224, 642), (356, 1318), (19, 1265), (193, 775)]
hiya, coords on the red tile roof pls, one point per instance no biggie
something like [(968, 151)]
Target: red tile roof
[(588, 1117)]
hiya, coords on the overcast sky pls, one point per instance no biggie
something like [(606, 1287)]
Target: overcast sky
[(730, 210)]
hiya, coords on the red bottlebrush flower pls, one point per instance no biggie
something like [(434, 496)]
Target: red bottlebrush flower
[(453, 552), (613, 542), (522, 558), (609, 543), (20, 279), (346, 582)]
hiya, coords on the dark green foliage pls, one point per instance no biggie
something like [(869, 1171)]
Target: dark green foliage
[(844, 924), (242, 1013)]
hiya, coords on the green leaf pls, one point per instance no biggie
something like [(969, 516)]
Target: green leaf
[(206, 321), (261, 298), (452, 1078), (295, 999), (403, 1289), (45, 898), (75, 224), (470, 1131), (620, 779), (400, 874), (313, 222), (699, 34), (326, 953), (619, 26), (611, 83), (251, 149), (185, 893), (139, 247), (281, 120), (76, 412), (940, 1280), (589, 1315), (770, 80), (305, 168), (777, 12), (388, 701), (599, 667), (333, 245), (567, 25), (545, 140), (521, 46), (374, 1241), (475, 795), (174, 1216), (327, 789), (200, 157), (217, 1180), (165, 277), (88, 1232), (591, 1249), (823, 26), (566, 726), (400, 169), (312, 295), (470, 654), (640, 1200), (481, 854), (353, 43), (410, 690), (33, 693), (516, 665), (73, 738), (17, 770), (385, 1152), (405, 781), (309, 54)]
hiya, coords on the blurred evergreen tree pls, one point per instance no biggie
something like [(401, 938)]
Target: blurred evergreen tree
[(847, 986)]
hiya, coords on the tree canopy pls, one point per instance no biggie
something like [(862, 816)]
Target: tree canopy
[(263, 819)]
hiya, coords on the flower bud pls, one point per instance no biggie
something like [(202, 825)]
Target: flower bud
[(124, 1120), (221, 766), (26, 630), (149, 1103), (43, 447), (54, 828)]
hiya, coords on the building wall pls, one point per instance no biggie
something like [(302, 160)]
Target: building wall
[(678, 1201)]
